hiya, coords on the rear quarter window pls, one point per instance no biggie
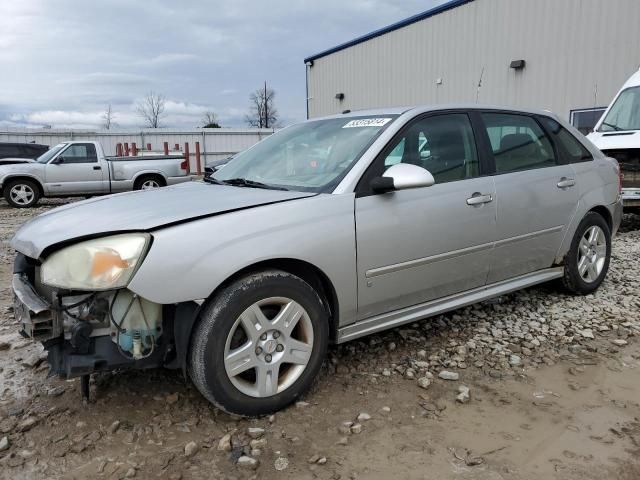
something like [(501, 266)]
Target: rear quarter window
[(570, 147)]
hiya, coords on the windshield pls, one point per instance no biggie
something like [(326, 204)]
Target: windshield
[(49, 154), (624, 114), (311, 156)]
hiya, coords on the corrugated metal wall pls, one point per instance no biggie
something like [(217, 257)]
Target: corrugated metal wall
[(578, 54), (214, 143)]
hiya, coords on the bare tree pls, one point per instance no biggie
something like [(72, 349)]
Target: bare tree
[(151, 109), (210, 120), (262, 111), (107, 117)]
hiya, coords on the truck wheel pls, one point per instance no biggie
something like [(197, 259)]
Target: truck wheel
[(259, 343), (22, 193), (587, 262), (149, 182)]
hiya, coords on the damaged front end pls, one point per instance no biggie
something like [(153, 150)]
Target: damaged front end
[(85, 332)]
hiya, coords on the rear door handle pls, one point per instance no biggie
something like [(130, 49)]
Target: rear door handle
[(566, 182), (479, 198), (97, 168)]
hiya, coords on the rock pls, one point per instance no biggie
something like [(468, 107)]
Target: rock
[(113, 428), (356, 428), (259, 443), (446, 375), (391, 346), (385, 409), (343, 441), (363, 417), (248, 462), (302, 404), (4, 444), (32, 361), (515, 361), (386, 372), (463, 396), (172, 398), (281, 463), (424, 382), (322, 460), (27, 424), (81, 424), (224, 445), (190, 449), (345, 428), (4, 346), (255, 432), (587, 333), (130, 473), (56, 391), (313, 458), (619, 342)]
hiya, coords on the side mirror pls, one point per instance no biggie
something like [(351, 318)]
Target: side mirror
[(57, 161), (402, 176)]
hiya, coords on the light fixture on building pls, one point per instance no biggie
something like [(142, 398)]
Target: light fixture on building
[(340, 96), (517, 64), (309, 63)]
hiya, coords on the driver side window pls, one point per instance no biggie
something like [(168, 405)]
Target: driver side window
[(442, 144), (80, 153)]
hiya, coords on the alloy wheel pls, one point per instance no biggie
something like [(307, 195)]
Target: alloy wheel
[(592, 254), (149, 184), (22, 194), (268, 347)]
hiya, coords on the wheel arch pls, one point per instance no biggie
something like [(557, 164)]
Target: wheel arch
[(604, 213), (147, 174), (12, 178), (308, 272)]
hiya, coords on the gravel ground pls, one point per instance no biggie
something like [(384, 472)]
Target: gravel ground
[(532, 385)]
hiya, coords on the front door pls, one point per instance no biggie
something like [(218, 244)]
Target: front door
[(76, 170), (426, 243), (536, 196)]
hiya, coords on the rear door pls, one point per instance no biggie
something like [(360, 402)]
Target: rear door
[(76, 170), (425, 243), (536, 195)]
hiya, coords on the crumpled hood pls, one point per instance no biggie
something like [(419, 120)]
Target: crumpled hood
[(139, 211)]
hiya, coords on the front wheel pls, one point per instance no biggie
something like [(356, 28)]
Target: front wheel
[(259, 343), (587, 262), (22, 193)]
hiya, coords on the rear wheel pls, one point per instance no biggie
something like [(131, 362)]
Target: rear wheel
[(149, 182), (587, 262), (22, 193), (259, 344)]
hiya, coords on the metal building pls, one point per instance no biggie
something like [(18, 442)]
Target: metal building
[(568, 56)]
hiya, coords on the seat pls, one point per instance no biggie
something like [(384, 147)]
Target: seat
[(518, 151)]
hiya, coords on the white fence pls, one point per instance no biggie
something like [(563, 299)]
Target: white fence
[(215, 143)]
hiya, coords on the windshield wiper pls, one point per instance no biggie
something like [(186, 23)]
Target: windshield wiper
[(243, 182), (615, 127)]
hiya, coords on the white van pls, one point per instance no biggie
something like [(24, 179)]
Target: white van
[(617, 134)]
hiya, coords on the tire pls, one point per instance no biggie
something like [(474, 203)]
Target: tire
[(584, 278), (22, 193), (243, 387), (149, 182)]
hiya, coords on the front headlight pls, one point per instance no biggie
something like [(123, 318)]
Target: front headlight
[(100, 264)]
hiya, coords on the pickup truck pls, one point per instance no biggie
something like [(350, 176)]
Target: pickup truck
[(617, 135), (81, 168)]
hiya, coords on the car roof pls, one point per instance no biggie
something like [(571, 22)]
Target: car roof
[(418, 109), (23, 144)]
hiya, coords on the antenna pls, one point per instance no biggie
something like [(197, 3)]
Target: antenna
[(479, 85)]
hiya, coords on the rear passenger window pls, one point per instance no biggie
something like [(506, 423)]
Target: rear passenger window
[(572, 149), (518, 142)]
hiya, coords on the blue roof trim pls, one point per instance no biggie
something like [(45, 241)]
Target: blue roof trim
[(394, 26)]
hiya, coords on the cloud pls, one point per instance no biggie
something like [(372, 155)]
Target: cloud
[(62, 62)]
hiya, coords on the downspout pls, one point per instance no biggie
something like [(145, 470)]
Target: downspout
[(306, 81)]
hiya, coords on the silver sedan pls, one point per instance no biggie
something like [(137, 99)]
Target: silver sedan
[(327, 231)]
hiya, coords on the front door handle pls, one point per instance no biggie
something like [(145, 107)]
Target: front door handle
[(479, 199), (566, 182), (97, 168)]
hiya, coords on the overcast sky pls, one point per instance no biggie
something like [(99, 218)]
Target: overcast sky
[(63, 61)]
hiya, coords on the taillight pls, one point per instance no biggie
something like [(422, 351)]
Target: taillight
[(620, 174), (185, 165)]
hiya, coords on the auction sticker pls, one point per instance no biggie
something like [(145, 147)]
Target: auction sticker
[(367, 122)]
